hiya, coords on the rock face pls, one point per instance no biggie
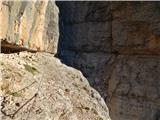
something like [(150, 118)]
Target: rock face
[(115, 44), (134, 91), (117, 47), (29, 24), (136, 27), (82, 23), (37, 86), (85, 39)]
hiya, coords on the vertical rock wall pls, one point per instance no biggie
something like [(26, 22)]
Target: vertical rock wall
[(134, 85), (86, 38), (136, 27), (117, 46), (32, 24)]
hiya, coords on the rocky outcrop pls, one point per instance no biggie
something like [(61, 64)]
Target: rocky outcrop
[(37, 86), (116, 46), (31, 25)]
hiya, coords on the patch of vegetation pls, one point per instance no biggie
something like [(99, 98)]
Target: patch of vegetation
[(14, 94), (5, 87), (31, 69)]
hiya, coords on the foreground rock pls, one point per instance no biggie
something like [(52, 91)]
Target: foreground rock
[(29, 24), (39, 87)]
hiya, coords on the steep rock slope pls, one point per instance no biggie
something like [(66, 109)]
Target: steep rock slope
[(29, 24), (37, 86), (116, 46)]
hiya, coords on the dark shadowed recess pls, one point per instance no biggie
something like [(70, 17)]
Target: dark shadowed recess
[(82, 42), (9, 48)]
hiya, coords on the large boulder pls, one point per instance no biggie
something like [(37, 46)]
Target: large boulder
[(37, 86), (29, 24)]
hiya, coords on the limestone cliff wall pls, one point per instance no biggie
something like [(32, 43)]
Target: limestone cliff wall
[(115, 44), (30, 24), (117, 47), (37, 86), (136, 27), (85, 38)]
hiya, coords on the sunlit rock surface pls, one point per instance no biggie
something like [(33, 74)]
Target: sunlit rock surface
[(37, 86), (29, 24)]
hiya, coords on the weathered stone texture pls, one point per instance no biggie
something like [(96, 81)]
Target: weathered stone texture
[(95, 66), (134, 83), (136, 27), (134, 88), (37, 86), (85, 27), (72, 12), (29, 24), (117, 46)]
